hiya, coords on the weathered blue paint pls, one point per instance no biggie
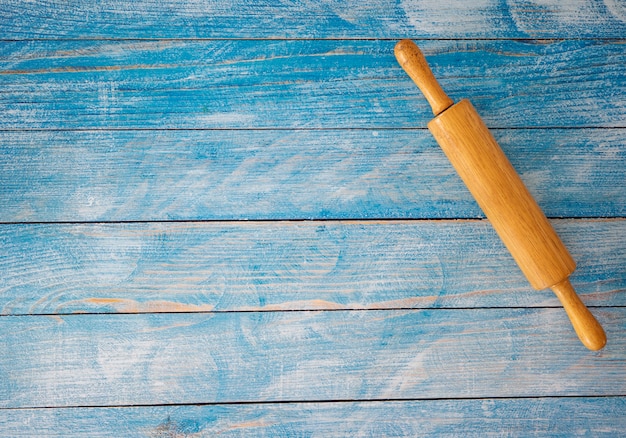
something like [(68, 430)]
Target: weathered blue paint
[(194, 267), (151, 359), (474, 418), (260, 174), (169, 123), (303, 84), (305, 19)]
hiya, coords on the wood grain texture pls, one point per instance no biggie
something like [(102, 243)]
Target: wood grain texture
[(145, 359), (251, 174), (502, 195), (303, 84), (413, 62), (473, 418), (187, 267), (305, 19), (166, 124)]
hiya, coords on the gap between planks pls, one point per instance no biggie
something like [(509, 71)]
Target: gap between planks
[(298, 129), (346, 221), (346, 38), (343, 309), (320, 402)]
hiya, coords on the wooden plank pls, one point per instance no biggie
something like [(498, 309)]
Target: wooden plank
[(299, 19), (189, 267), (145, 359), (487, 417), (290, 174), (303, 84)]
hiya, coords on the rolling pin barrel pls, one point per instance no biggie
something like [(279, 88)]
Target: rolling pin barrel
[(501, 194)]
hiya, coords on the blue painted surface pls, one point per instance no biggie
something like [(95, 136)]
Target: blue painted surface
[(476, 418), (174, 267), (228, 218), (304, 84), (151, 359), (269, 174), (326, 19)]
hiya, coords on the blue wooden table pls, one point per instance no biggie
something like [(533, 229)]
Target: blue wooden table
[(228, 218)]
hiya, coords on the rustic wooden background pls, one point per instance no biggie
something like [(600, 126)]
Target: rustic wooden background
[(227, 218)]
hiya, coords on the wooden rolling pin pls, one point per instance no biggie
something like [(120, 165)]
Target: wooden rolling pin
[(501, 194)]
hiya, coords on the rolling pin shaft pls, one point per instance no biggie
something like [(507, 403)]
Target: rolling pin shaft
[(501, 194)]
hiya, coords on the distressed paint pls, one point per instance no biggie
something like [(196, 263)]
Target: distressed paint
[(260, 174), (198, 115), (197, 267), (314, 19), (149, 359), (479, 418), (307, 84)]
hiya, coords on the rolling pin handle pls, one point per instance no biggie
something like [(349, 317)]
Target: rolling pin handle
[(413, 62), (588, 329)]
